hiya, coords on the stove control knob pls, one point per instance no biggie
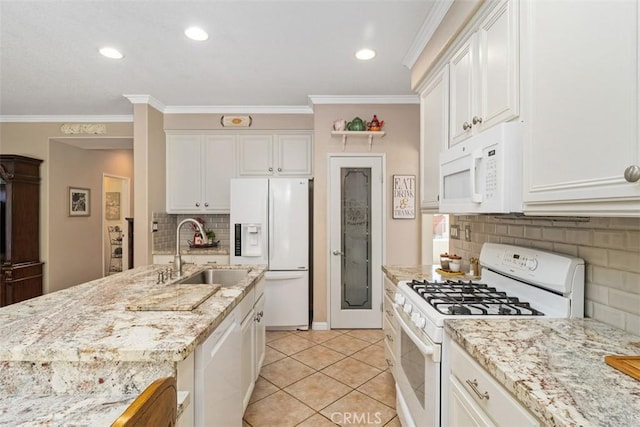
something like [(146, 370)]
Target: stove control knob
[(399, 299), (418, 320), (532, 264), (407, 308)]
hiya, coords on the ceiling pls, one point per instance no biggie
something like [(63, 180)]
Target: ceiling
[(259, 54)]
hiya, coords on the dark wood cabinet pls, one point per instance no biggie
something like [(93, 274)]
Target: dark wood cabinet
[(20, 266)]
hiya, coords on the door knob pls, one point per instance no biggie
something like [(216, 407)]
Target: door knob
[(632, 173), (336, 252)]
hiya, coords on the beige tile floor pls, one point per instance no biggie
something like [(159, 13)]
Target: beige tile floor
[(323, 378)]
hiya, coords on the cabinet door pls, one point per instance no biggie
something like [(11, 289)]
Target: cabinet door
[(247, 358), (582, 107), (184, 180), (498, 83), (293, 155), (218, 169), (434, 113), (462, 73), (255, 155), (260, 335)]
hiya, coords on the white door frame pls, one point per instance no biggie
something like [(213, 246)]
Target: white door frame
[(383, 219), (125, 212)]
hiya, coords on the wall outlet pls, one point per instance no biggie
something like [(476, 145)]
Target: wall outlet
[(454, 232), (154, 226), (467, 233)]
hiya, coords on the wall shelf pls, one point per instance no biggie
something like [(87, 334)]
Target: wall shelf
[(367, 134)]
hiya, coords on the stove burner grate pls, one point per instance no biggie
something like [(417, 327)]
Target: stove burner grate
[(455, 297)]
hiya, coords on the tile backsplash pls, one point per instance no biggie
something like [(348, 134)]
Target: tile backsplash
[(165, 238), (609, 246)]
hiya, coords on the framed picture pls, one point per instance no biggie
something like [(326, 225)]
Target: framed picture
[(79, 201), (112, 208), (404, 196)]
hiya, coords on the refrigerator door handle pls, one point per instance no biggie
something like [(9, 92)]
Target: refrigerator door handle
[(272, 222), (283, 275)]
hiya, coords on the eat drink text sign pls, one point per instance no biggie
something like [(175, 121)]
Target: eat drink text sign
[(404, 196)]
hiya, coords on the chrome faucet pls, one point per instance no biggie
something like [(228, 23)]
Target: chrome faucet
[(177, 259)]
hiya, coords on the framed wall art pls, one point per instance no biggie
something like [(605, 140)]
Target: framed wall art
[(404, 196), (79, 201)]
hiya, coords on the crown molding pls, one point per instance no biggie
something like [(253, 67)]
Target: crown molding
[(239, 109), (146, 99), (364, 99), (64, 119), (429, 26)]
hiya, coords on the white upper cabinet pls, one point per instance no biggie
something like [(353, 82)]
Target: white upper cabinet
[(199, 170), (580, 107), (484, 76), (281, 154), (434, 134)]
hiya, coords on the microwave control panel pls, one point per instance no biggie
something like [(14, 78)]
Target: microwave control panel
[(491, 174)]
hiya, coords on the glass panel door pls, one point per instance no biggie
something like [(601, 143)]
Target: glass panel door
[(356, 233)]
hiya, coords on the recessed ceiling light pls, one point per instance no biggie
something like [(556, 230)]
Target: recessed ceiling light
[(196, 33), (365, 54), (110, 52)]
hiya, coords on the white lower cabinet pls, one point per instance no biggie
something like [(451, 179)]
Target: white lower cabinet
[(253, 340), (475, 398), (218, 394), (389, 326), (194, 259)]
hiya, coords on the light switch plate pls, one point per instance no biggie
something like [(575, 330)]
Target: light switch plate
[(454, 232), (154, 226), (467, 233)]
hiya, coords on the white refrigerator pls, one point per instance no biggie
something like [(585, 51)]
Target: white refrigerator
[(269, 224)]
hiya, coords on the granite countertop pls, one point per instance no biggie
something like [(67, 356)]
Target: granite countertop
[(396, 273), (556, 367), (89, 322), (79, 357), (194, 251)]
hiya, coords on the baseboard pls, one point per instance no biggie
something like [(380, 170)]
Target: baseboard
[(320, 326)]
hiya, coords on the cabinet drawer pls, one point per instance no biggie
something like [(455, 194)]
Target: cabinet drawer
[(496, 401)]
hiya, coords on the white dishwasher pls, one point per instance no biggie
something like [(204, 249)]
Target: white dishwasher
[(218, 397)]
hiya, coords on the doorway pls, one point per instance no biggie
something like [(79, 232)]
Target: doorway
[(356, 210), (115, 243)]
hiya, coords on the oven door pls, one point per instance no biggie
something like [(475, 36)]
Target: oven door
[(418, 374)]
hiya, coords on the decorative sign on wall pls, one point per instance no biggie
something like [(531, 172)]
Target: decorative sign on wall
[(404, 196), (112, 208), (236, 121)]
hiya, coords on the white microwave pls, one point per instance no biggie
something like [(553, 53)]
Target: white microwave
[(484, 173)]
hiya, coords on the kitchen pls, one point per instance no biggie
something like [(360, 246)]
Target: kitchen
[(605, 239)]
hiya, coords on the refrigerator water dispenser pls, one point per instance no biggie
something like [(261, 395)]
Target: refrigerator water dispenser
[(248, 240)]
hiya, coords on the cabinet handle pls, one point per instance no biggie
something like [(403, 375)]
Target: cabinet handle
[(270, 169), (466, 126), (197, 204), (476, 120), (632, 173), (206, 204), (474, 386)]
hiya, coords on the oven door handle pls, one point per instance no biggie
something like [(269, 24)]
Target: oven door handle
[(426, 350)]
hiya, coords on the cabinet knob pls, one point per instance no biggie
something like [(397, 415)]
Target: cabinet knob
[(270, 169), (632, 173), (206, 204), (279, 169), (466, 126), (476, 120), (197, 204)]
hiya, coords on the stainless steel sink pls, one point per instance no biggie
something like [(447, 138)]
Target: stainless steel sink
[(213, 276)]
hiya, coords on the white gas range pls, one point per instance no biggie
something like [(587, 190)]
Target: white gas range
[(515, 282)]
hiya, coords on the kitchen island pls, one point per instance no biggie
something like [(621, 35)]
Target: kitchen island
[(82, 348), (556, 367)]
